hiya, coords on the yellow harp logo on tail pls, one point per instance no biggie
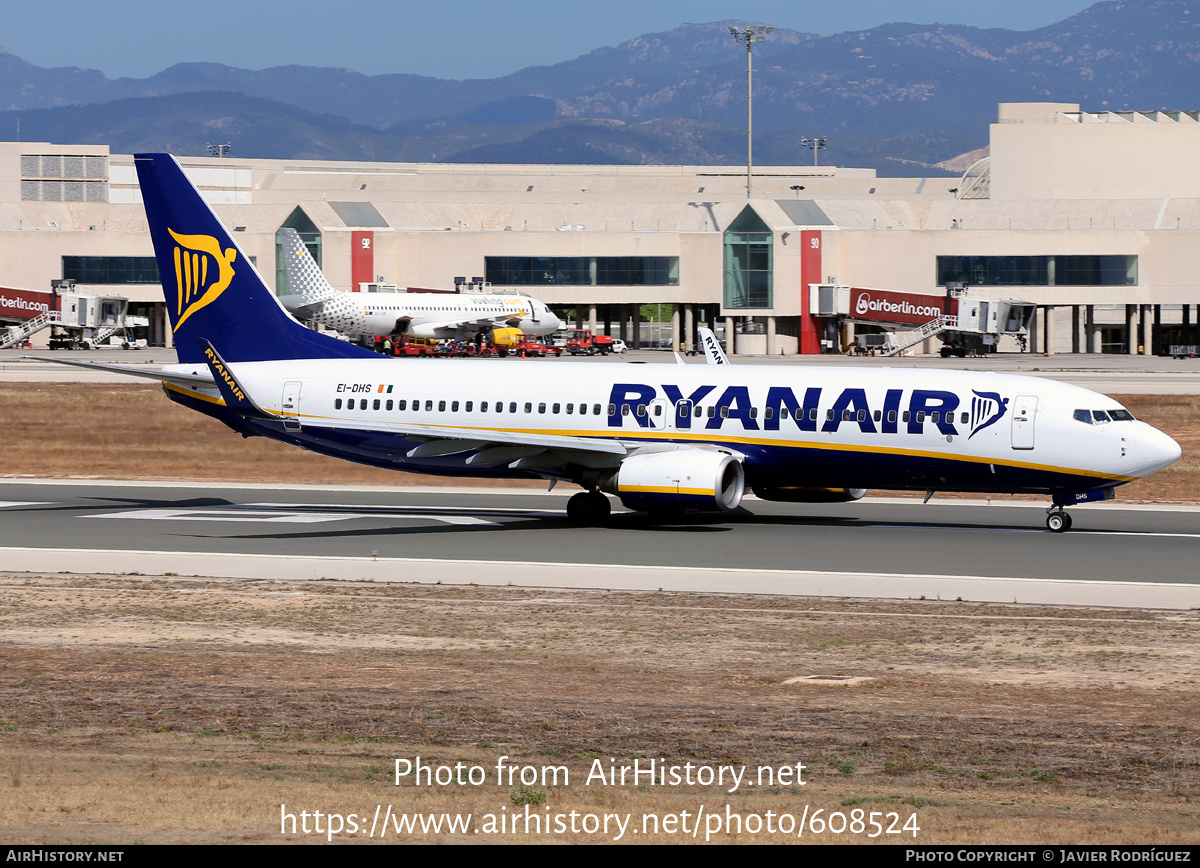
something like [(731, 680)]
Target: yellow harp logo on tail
[(199, 260)]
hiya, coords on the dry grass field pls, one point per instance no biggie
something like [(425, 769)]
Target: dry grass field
[(161, 709)]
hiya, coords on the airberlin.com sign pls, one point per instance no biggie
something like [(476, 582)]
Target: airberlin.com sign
[(23, 303), (874, 304)]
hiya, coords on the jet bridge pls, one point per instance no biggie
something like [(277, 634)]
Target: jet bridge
[(79, 321), (965, 317)]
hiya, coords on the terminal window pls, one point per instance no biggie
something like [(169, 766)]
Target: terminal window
[(113, 269), (110, 269), (748, 262), (582, 270), (1075, 270)]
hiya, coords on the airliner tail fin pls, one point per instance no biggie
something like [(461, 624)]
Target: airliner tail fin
[(212, 289)]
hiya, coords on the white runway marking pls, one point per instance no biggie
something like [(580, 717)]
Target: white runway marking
[(243, 514), (4, 504), (410, 510), (1073, 533)]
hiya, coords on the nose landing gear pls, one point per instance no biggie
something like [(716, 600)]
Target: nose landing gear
[(1057, 520)]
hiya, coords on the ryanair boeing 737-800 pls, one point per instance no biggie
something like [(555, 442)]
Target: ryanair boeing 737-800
[(658, 437)]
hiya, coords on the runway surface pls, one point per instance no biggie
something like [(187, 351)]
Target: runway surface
[(1115, 555)]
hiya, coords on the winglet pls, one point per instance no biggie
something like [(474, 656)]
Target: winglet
[(712, 347), (236, 398)]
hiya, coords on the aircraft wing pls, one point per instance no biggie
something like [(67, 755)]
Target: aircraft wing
[(498, 319), (192, 380), (463, 439), (447, 324)]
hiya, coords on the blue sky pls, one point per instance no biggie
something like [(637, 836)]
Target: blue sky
[(463, 39)]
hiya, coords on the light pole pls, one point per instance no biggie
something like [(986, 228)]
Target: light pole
[(817, 145), (751, 34)]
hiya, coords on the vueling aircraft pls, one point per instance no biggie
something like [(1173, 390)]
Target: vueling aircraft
[(424, 314), (660, 438)]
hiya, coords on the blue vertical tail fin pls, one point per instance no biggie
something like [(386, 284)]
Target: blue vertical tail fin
[(212, 290)]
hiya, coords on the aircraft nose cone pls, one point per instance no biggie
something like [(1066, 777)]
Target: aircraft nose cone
[(1156, 450)]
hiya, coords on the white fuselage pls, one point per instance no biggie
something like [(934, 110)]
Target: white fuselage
[(870, 427), (431, 315)]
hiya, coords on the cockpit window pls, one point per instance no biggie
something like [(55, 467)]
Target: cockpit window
[(1101, 417)]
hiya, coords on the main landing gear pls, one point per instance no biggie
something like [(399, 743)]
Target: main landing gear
[(1057, 519), (588, 508)]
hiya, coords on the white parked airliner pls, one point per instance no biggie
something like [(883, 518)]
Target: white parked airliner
[(658, 437), (423, 314)]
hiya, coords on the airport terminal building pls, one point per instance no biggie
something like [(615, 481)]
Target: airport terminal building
[(1092, 217)]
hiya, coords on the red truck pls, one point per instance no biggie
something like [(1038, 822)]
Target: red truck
[(583, 342), (532, 346)]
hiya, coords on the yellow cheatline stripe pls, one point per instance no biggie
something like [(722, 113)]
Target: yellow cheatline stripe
[(658, 489), (646, 434)]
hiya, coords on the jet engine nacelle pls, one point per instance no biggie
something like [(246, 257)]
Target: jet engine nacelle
[(696, 479), (797, 494)]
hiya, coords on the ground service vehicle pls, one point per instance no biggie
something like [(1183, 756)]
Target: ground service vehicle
[(583, 342)]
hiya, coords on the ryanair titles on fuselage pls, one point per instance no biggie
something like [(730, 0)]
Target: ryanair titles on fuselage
[(734, 407)]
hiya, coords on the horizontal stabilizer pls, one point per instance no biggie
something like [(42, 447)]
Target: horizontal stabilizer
[(190, 380)]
